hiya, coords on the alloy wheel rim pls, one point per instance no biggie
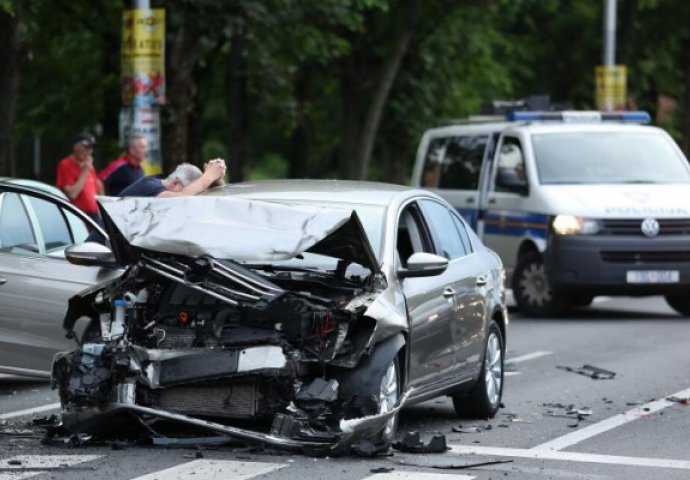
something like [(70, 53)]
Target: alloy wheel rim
[(493, 368), (534, 285), (388, 397)]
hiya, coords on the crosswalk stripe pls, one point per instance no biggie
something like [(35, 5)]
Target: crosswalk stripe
[(417, 476), (209, 469), (21, 463)]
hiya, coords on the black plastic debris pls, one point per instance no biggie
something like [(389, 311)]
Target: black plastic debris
[(366, 448), (590, 371), (471, 428), (381, 470), (411, 443), (45, 421), (461, 466), (681, 400)]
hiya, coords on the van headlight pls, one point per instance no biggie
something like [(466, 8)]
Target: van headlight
[(572, 225)]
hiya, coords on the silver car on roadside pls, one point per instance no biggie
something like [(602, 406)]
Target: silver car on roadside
[(297, 314), (37, 224)]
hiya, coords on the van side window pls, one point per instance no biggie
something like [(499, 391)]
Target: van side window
[(510, 166), (454, 162)]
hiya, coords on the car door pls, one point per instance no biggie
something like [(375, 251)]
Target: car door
[(466, 277), (429, 307), (35, 279)]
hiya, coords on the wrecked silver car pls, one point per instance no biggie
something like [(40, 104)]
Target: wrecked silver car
[(295, 314)]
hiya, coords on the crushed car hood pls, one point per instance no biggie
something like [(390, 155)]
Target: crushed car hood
[(233, 228)]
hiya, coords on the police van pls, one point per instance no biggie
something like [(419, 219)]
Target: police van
[(577, 204)]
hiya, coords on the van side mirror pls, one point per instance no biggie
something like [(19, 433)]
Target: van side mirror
[(512, 180)]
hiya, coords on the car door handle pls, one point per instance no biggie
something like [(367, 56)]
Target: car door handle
[(492, 200), (448, 292), (469, 200), (483, 279), (3, 281)]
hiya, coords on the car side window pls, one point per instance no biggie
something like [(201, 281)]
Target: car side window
[(454, 162), (462, 231), (53, 224), (412, 236), (510, 166), (16, 234), (444, 230)]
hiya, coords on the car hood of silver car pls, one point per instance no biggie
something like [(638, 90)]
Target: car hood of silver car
[(234, 228)]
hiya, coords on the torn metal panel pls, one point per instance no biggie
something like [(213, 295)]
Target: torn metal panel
[(260, 231)]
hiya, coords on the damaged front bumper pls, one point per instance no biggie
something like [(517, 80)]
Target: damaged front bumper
[(351, 431)]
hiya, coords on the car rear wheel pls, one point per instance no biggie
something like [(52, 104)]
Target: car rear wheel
[(680, 303), (531, 289), (484, 399)]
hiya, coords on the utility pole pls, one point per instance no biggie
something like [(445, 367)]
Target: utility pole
[(610, 79), (143, 78)]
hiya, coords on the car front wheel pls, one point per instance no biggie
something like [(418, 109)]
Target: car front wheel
[(484, 399), (531, 289)]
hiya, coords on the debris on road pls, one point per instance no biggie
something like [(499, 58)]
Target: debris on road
[(681, 400), (471, 428), (411, 443), (462, 466), (381, 470), (590, 371)]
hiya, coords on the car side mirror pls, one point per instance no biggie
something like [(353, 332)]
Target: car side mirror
[(422, 264), (91, 254), (509, 180)]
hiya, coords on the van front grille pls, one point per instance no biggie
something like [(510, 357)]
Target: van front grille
[(632, 226)]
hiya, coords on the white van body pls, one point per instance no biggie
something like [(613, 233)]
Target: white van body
[(575, 209)]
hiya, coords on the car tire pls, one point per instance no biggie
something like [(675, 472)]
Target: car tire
[(582, 300), (531, 289), (680, 303), (484, 399)]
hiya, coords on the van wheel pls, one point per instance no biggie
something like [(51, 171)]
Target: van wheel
[(531, 289), (680, 303), (484, 399)]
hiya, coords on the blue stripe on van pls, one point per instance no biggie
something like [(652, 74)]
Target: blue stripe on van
[(510, 222)]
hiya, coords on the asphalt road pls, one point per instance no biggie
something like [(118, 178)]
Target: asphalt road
[(631, 432)]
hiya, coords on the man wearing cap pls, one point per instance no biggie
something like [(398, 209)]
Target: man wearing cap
[(125, 170), (77, 177)]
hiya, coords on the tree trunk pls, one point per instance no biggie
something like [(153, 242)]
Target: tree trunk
[(378, 103), (181, 92), (362, 112), (237, 110), (12, 52), (299, 140), (684, 103)]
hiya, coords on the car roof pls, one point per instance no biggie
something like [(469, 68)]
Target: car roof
[(538, 127), (35, 184), (335, 191)]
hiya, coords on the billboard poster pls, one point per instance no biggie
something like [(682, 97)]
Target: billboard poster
[(143, 79), (611, 87)]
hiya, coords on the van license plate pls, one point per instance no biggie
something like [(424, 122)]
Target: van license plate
[(652, 276)]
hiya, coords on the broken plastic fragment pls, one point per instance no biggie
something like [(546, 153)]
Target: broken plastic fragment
[(589, 371), (411, 443)]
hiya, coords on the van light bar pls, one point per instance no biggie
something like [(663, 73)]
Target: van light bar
[(575, 116)]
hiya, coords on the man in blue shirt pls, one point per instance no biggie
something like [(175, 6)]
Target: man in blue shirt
[(126, 169)]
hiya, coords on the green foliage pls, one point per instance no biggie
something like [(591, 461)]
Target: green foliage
[(462, 54)]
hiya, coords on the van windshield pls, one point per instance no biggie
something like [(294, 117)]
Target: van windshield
[(607, 157)]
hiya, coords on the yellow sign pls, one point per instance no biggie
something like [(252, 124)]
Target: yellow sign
[(143, 57), (611, 87)]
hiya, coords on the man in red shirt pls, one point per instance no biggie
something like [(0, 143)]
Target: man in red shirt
[(77, 177), (126, 169)]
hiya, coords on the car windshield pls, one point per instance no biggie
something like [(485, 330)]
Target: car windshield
[(607, 157)]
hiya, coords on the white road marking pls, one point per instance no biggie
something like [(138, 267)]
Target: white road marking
[(30, 411), (527, 356), (511, 374), (417, 476), (572, 457), (610, 423), (214, 470), (41, 461)]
